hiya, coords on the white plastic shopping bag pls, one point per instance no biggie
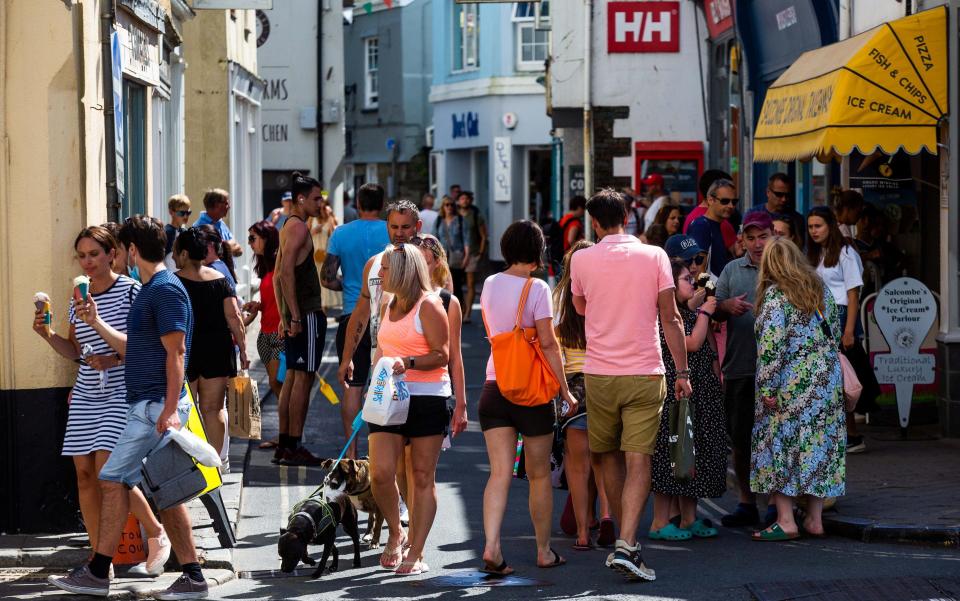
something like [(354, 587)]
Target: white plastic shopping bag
[(388, 400), (196, 447)]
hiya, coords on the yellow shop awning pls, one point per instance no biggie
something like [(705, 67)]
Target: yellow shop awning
[(884, 89)]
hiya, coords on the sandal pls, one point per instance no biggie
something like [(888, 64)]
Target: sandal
[(702, 529), (557, 561), (393, 552), (501, 570), (774, 534), (416, 566), (588, 546), (268, 444), (671, 533)]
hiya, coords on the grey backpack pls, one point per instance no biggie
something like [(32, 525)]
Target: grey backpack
[(171, 476)]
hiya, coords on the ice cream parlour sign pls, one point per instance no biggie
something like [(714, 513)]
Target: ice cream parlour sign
[(905, 310)]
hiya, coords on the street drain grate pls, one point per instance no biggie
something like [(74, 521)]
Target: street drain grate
[(874, 589), (276, 574), (475, 578)]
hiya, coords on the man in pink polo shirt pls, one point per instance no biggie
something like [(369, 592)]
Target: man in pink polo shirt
[(622, 286)]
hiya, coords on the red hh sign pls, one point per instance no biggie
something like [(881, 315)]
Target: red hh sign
[(719, 16), (643, 27)]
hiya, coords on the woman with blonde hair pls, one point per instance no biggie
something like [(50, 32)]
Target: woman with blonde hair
[(799, 439), (413, 332)]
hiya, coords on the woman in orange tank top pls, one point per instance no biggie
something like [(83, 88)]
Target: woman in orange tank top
[(414, 331)]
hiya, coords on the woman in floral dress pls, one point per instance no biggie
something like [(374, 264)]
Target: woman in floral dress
[(799, 432)]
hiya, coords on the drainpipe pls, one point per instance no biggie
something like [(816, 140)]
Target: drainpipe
[(109, 145), (842, 34), (320, 12), (587, 112)]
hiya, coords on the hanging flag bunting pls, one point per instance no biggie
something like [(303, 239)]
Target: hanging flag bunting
[(389, 3), (368, 7), (348, 15)]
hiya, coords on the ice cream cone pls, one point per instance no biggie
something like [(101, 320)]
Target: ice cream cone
[(82, 283), (42, 302)]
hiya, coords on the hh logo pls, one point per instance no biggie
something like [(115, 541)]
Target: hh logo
[(643, 27)]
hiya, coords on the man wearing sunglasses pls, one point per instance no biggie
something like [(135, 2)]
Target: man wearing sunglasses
[(179, 207), (708, 231), (778, 203)]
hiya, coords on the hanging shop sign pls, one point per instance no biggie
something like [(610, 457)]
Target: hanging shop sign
[(116, 53), (575, 183), (141, 49), (502, 169), (719, 17), (905, 310), (634, 27)]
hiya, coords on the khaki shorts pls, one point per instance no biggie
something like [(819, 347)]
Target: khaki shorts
[(624, 412)]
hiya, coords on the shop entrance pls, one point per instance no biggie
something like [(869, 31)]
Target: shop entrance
[(539, 183)]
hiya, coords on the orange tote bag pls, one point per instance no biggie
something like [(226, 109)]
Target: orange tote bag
[(523, 375)]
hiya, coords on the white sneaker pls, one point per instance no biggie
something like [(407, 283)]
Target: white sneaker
[(404, 513), (158, 552)]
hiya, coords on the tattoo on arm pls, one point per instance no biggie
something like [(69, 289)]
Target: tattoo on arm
[(328, 273)]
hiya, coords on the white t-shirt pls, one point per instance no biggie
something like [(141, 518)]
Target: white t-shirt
[(845, 275), (652, 211), (375, 290), (634, 221), (428, 219)]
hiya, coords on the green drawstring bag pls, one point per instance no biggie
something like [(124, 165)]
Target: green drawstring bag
[(682, 454)]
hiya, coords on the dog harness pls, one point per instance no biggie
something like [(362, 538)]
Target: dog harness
[(326, 521)]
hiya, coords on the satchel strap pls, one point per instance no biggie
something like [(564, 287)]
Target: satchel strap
[(825, 326), (523, 303)]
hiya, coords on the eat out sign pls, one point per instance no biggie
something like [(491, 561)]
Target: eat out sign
[(643, 27)]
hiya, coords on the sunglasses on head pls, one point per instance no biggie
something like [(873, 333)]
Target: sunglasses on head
[(726, 201), (778, 194), (428, 243), (185, 213)]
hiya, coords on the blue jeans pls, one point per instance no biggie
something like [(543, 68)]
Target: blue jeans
[(138, 438), (842, 319)]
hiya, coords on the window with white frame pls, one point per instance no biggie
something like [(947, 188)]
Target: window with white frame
[(466, 37), (371, 68), (532, 37)]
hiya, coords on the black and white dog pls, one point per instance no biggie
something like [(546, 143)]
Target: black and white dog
[(315, 523)]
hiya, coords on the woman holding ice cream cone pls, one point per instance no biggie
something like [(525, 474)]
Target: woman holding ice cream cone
[(98, 405)]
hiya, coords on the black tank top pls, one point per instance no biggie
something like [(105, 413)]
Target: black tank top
[(306, 281)]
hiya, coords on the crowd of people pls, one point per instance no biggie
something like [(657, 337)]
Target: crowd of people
[(743, 322)]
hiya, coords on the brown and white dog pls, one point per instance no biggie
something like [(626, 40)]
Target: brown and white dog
[(351, 477)]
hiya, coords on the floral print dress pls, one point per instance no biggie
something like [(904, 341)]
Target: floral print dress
[(799, 446)]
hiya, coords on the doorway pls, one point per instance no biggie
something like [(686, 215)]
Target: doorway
[(539, 183)]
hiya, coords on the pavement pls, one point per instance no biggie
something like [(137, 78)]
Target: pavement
[(886, 485)]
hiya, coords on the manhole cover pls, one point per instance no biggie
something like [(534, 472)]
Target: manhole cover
[(274, 574), (477, 578)]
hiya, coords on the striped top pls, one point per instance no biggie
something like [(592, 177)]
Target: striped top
[(113, 305), (573, 359)]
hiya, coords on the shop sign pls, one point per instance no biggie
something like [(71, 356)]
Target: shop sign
[(905, 311), (634, 27), (502, 170), (232, 4), (116, 52), (141, 49), (466, 125), (576, 184), (719, 17)]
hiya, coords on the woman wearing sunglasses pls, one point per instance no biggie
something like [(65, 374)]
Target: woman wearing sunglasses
[(450, 232), (264, 240)]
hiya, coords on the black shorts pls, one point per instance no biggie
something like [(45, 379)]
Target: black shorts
[(496, 411), (208, 363), (361, 355), (305, 350), (739, 401), (428, 417)]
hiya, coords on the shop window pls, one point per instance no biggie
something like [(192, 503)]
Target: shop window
[(371, 80), (466, 37), (533, 47), (135, 149)]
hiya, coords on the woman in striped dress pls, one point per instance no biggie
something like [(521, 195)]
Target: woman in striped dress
[(98, 403)]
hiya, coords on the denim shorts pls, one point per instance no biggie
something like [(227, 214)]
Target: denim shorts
[(138, 438)]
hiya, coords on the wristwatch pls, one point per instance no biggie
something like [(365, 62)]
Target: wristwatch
[(411, 362)]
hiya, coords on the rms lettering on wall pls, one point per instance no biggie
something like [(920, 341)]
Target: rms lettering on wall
[(643, 27)]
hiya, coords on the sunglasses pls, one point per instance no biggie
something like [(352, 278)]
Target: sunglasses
[(726, 201), (428, 243), (697, 260), (780, 195), (183, 213)]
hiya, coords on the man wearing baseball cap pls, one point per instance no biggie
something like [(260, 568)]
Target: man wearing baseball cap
[(736, 295), (279, 215), (653, 186)]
